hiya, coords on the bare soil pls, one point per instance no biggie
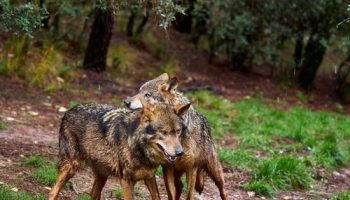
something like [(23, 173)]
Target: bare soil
[(32, 118)]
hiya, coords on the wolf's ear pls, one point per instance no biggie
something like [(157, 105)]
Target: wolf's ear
[(164, 77), (148, 110), (170, 86), (181, 109)]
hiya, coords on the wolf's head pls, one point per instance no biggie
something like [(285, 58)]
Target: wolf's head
[(159, 90), (161, 130)]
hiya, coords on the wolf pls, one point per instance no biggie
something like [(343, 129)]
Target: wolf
[(129, 144), (199, 149)]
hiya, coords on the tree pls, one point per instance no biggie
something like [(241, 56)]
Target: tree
[(100, 37), (21, 18), (323, 26)]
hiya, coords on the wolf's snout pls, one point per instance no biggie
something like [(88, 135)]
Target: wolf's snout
[(127, 102), (179, 151)]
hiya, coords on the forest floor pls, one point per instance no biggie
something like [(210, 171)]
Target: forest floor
[(31, 118)]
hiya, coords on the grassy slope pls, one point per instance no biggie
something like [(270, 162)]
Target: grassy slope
[(280, 148)]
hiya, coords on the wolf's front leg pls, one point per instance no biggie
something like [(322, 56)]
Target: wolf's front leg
[(128, 188), (191, 175), (169, 180), (152, 188)]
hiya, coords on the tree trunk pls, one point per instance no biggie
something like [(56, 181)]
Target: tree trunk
[(44, 20), (312, 58), (238, 61), (183, 23), (131, 22), (56, 24), (298, 50), (99, 39), (342, 74)]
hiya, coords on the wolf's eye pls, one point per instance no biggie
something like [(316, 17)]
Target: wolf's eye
[(147, 95), (163, 132)]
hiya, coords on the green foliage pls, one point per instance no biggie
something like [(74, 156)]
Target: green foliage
[(34, 160), (13, 57), (166, 10), (44, 68), (285, 172), (262, 32), (22, 18), (342, 196), (7, 194)]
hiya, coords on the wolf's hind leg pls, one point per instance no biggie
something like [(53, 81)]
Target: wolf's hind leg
[(200, 181), (217, 175), (67, 170), (152, 188), (99, 183)]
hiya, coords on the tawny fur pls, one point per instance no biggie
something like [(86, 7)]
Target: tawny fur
[(127, 144), (199, 149)]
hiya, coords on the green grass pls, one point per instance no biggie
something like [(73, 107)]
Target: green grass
[(283, 172), (291, 143), (45, 174), (238, 157), (118, 192), (217, 110), (34, 160), (159, 171), (76, 102), (342, 196), (2, 125), (301, 96), (184, 184), (7, 194), (83, 197)]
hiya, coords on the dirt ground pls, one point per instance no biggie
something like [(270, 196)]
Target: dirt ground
[(32, 118)]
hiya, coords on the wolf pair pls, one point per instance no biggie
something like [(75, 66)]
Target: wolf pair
[(159, 128)]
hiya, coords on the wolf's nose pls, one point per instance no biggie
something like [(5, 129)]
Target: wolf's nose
[(179, 152), (127, 102)]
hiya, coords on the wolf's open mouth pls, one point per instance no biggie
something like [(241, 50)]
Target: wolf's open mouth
[(171, 159)]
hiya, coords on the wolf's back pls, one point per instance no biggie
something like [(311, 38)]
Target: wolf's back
[(74, 124)]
